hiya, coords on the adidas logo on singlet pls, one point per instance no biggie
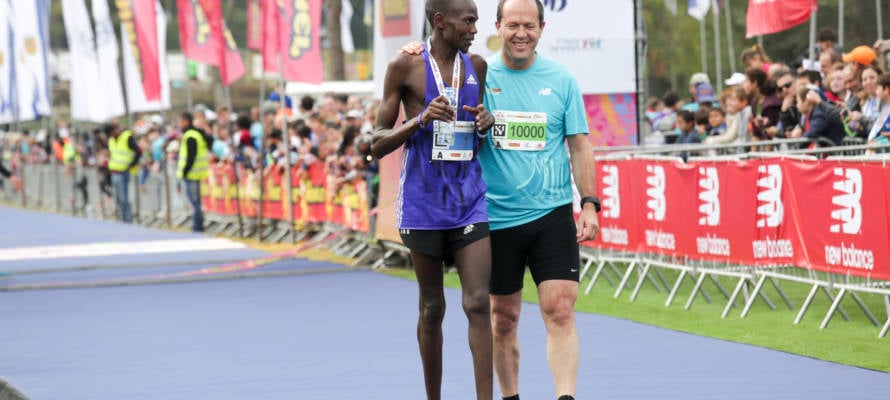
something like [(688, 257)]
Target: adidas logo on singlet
[(471, 80)]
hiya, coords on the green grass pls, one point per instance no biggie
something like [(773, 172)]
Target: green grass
[(853, 343)]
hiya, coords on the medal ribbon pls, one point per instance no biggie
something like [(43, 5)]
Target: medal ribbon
[(437, 75)]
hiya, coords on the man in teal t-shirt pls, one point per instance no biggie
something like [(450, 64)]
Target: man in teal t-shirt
[(538, 108)]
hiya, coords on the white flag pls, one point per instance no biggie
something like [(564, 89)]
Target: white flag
[(698, 9), (135, 92), (86, 96), (108, 55), (346, 28), (29, 18), (6, 59)]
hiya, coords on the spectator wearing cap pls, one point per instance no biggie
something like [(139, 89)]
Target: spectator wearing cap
[(734, 80), (861, 55), (704, 97), (695, 80), (355, 118)]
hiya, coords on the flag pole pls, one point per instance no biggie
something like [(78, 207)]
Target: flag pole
[(880, 20), (228, 93), (729, 36), (719, 66), (813, 35), (840, 22), (287, 163), (703, 45)]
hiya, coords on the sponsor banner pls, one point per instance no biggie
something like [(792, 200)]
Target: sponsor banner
[(724, 209), (139, 86), (28, 58), (841, 209), (669, 205), (612, 119), (254, 25), (228, 60), (776, 240), (314, 199), (619, 217), (292, 31), (601, 56)]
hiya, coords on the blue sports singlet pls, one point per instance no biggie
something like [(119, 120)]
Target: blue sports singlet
[(436, 193)]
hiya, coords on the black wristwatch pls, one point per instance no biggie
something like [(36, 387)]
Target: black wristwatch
[(592, 199)]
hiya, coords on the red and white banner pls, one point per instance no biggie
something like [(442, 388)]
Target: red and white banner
[(194, 33), (231, 67), (254, 25), (139, 25), (292, 30), (771, 16)]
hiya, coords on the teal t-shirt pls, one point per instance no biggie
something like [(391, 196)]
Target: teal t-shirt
[(527, 172)]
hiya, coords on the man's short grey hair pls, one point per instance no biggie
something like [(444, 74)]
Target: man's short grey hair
[(537, 2)]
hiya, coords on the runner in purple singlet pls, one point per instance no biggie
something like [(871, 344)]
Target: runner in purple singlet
[(441, 207)]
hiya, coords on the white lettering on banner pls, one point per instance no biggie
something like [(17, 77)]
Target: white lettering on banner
[(770, 248), (850, 257), (849, 213), (613, 235), (770, 210), (661, 240), (611, 192), (657, 203), (712, 245), (709, 192)]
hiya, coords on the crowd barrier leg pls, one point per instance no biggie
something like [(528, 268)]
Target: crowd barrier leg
[(676, 288), (753, 296), (695, 289), (731, 302), (595, 276), (586, 268), (775, 283), (643, 277), (624, 279), (806, 303), (864, 308), (834, 306), (886, 324)]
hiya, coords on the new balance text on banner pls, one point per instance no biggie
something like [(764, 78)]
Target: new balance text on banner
[(28, 54), (399, 22), (136, 62), (254, 25), (231, 67), (829, 216), (770, 16)]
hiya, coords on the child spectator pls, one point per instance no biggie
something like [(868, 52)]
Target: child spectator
[(716, 122), (738, 112), (702, 123)]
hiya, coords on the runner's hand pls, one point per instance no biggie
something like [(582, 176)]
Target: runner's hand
[(588, 225), (413, 48), (484, 119), (439, 109)]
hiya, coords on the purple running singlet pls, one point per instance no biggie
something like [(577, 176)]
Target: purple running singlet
[(441, 184)]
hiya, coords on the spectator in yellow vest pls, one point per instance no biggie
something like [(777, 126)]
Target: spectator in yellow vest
[(193, 166), (123, 161)]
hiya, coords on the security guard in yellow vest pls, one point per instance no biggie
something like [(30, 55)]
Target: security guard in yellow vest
[(194, 165), (123, 161)]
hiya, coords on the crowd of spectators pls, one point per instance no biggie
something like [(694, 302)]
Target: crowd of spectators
[(842, 98)]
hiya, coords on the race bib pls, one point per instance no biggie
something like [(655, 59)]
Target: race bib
[(453, 141), (519, 130)]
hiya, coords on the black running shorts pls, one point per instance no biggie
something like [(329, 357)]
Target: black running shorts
[(548, 245), (443, 243)]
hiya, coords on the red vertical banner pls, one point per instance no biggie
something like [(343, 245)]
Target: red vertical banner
[(619, 217), (669, 206), (300, 41), (395, 17), (231, 67), (314, 193), (841, 208), (195, 33), (776, 240), (254, 25), (270, 11), (139, 19)]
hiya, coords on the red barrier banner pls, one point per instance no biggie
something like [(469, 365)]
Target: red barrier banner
[(619, 218), (775, 229), (666, 199), (841, 208), (724, 207)]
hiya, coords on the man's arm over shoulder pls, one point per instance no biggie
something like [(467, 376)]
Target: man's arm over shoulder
[(385, 138)]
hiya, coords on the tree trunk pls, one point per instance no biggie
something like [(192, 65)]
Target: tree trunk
[(336, 70)]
